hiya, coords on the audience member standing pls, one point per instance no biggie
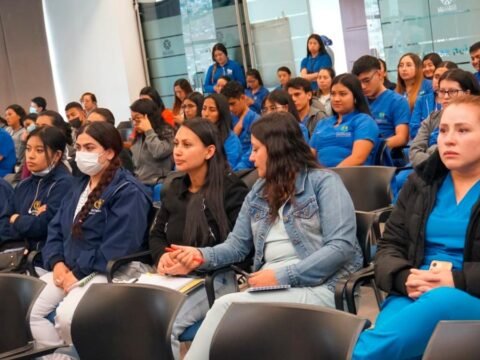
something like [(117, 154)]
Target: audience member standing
[(223, 66), (317, 58)]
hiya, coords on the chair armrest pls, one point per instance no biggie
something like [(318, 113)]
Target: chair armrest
[(210, 283), (31, 258), (115, 264), (360, 277)]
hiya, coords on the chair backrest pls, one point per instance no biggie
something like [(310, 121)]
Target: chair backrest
[(457, 340), (369, 186), (17, 294), (365, 233), (125, 321), (248, 176), (285, 331)]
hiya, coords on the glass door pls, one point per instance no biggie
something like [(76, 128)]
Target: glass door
[(179, 36)]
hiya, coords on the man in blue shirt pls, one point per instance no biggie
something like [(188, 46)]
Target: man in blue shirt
[(475, 58), (7, 153), (389, 109), (242, 120), (301, 92)]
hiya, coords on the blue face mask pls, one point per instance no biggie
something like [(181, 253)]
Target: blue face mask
[(32, 110), (31, 127)]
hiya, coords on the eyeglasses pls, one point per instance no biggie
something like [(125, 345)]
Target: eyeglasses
[(451, 93), (188, 106), (366, 81), (266, 110)]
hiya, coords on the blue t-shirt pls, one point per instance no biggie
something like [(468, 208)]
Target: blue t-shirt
[(477, 76), (314, 64), (232, 69), (424, 106), (7, 151), (432, 139), (447, 225), (233, 149), (258, 98), (244, 136), (389, 110), (334, 143)]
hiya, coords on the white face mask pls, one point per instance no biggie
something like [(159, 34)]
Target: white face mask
[(44, 172), (87, 162)]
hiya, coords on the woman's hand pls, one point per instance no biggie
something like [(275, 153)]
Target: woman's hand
[(60, 270), (187, 258), (68, 281), (143, 124), (421, 281), (13, 218), (262, 278)]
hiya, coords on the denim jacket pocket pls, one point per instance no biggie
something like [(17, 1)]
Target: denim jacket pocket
[(306, 215)]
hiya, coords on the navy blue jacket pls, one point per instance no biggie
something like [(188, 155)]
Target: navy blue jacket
[(116, 226), (6, 208), (32, 193)]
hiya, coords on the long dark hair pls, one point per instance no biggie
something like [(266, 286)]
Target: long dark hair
[(288, 154), (106, 135), (186, 87), (197, 99), (322, 49), (20, 111), (149, 108), (153, 94), (222, 48), (351, 82), (256, 75), (465, 79), (211, 195), (58, 122), (281, 97), (52, 139), (224, 123)]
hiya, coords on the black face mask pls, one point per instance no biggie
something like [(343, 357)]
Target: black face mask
[(76, 123)]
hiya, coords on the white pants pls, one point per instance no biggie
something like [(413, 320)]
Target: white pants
[(51, 298), (200, 349)]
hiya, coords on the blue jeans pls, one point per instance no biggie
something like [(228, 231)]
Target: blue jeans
[(404, 326)]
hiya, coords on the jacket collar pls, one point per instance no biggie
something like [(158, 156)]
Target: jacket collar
[(433, 169)]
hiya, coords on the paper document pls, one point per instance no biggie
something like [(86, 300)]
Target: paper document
[(179, 283)]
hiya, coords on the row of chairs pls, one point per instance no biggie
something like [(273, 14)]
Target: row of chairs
[(130, 321)]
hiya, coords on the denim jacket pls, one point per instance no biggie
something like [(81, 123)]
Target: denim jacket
[(320, 222)]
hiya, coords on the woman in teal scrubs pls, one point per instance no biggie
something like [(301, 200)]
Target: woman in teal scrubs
[(429, 258)]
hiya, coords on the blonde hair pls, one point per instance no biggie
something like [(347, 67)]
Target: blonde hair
[(401, 86)]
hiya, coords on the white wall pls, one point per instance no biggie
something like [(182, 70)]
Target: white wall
[(94, 46), (327, 20)]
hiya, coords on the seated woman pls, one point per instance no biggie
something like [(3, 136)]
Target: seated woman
[(322, 94), (349, 136), (150, 93), (255, 90), (428, 103), (104, 216), (298, 220), (215, 109), (181, 89), (192, 106), (152, 144), (209, 185), (279, 100), (452, 83), (428, 259), (38, 197)]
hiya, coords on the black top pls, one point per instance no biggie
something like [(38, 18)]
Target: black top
[(170, 221), (403, 243)]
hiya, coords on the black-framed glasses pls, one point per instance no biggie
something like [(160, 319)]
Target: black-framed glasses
[(450, 92), (366, 81)]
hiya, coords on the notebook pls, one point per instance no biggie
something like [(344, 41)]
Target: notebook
[(179, 283), (268, 288)]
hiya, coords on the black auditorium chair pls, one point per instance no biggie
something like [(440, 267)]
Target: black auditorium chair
[(17, 295), (457, 340), (346, 288), (264, 331), (125, 321)]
